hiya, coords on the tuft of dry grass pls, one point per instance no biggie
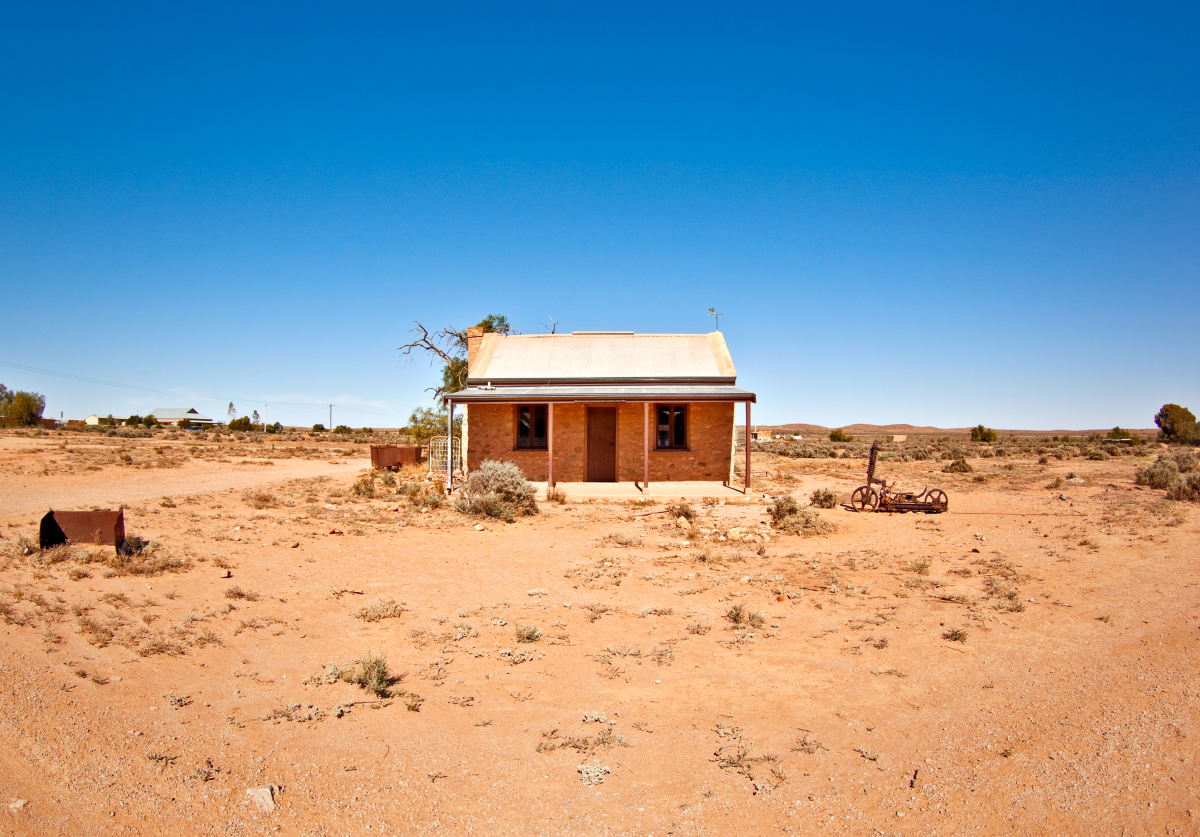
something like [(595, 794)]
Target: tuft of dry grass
[(382, 609), (528, 633), (259, 498), (236, 592), (955, 635)]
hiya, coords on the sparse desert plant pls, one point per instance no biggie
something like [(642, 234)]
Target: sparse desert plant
[(388, 479), (373, 676), (236, 592), (382, 609), (955, 635), (684, 510), (528, 633), (959, 466), (557, 494), (364, 486), (596, 610), (737, 613), (490, 505), (497, 489), (802, 522), (699, 628), (621, 539), (1184, 488), (259, 498), (782, 508), (823, 498), (921, 566), (1161, 474)]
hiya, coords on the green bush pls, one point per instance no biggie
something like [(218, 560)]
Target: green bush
[(840, 435), (495, 487), (275, 428), (1176, 424), (343, 428), (151, 421), (241, 424), (318, 428), (23, 409), (983, 434)]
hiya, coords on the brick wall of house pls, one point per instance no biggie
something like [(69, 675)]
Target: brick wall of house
[(493, 435), (710, 427)]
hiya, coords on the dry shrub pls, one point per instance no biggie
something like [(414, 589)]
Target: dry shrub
[(684, 510), (823, 498), (382, 609), (259, 498), (96, 632), (145, 559), (1185, 488), (373, 676), (788, 515), (497, 489), (959, 466), (236, 592)]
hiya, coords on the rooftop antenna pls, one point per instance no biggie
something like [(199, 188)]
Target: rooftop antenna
[(712, 312)]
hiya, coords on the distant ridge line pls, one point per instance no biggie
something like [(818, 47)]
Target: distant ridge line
[(905, 429)]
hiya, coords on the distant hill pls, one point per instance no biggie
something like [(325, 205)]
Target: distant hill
[(909, 429)]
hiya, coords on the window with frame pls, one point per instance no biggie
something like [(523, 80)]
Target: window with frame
[(531, 427), (671, 426)]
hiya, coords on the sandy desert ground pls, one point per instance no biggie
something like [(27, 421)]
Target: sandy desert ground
[(1023, 664)]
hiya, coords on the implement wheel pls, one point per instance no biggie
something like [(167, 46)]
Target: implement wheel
[(864, 499), (938, 498)]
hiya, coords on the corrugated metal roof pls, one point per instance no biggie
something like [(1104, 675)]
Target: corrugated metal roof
[(602, 393), (600, 356)]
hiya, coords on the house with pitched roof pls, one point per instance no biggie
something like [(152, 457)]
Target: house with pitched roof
[(592, 406), (174, 415)]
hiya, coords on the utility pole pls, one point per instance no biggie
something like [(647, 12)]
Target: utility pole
[(712, 312), (265, 408), (330, 428)]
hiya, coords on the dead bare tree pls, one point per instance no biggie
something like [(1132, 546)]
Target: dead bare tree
[(449, 345)]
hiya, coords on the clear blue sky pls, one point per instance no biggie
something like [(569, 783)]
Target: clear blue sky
[(929, 213)]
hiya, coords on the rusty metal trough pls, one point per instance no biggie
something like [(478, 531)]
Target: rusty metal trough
[(103, 526), (392, 457)]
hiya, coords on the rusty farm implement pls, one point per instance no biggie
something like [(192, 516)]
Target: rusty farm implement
[(877, 495)]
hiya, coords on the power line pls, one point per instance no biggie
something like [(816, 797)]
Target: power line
[(177, 394)]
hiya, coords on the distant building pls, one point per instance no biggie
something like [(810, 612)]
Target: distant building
[(174, 415), (92, 420), (761, 435)]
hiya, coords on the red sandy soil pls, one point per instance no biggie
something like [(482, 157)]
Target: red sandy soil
[(1072, 706)]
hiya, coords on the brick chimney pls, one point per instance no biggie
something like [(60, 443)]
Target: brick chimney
[(474, 340)]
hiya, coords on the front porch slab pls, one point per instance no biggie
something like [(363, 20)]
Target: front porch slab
[(663, 491)]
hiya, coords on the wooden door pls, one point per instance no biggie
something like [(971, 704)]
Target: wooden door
[(602, 444)]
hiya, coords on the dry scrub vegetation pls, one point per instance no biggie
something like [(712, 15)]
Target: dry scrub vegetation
[(750, 664)]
